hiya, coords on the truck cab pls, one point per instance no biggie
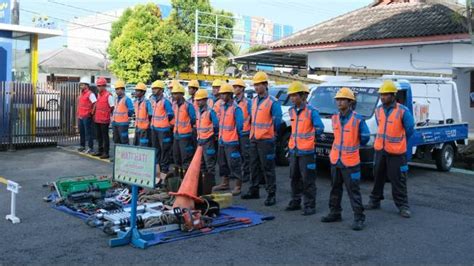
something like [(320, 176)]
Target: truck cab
[(433, 103)]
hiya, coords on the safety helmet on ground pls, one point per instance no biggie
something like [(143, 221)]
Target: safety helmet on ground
[(119, 84), (201, 94), (193, 84), (345, 93), (158, 84), (297, 86), (216, 83), (101, 82), (226, 88), (239, 82), (260, 77), (85, 80), (388, 86), (177, 88), (140, 86)]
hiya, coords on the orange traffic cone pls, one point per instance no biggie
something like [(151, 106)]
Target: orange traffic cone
[(187, 193)]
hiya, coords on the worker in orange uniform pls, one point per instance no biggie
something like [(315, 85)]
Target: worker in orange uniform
[(350, 132), (230, 130), (102, 113), (216, 86), (193, 87), (245, 105), (86, 103), (123, 110), (305, 126), (143, 114), (207, 126), (265, 124), (184, 121), (161, 135), (395, 127)]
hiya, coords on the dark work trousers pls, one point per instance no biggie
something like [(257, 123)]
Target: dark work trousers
[(85, 132), (262, 156), (120, 134), (142, 137), (230, 161), (102, 132), (245, 149), (303, 179), (209, 154), (395, 168), (162, 141), (350, 177), (183, 151)]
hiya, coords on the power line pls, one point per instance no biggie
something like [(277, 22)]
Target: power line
[(68, 21), (83, 9)]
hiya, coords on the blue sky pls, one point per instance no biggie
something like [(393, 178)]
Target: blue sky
[(298, 13)]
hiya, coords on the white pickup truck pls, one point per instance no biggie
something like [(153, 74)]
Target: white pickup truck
[(433, 102)]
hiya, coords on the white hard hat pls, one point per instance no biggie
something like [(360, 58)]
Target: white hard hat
[(85, 80)]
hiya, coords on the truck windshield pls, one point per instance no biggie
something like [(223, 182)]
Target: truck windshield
[(323, 100)]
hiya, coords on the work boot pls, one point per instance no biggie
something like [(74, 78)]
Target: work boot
[(251, 194), (308, 211), (271, 200), (104, 156), (294, 205), (97, 154), (81, 149), (358, 225), (405, 212), (237, 189), (331, 218), (223, 186), (372, 205)]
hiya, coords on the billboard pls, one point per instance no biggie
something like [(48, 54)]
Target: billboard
[(261, 31), (5, 11)]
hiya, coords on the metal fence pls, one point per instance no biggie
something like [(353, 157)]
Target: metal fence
[(40, 115)]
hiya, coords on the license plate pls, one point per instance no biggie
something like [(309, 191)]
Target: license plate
[(320, 151)]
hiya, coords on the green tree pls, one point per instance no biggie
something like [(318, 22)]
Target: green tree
[(133, 46)]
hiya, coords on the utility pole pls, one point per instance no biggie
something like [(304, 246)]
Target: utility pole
[(196, 40), (469, 5)]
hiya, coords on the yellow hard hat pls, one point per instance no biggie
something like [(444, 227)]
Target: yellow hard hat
[(345, 93), (193, 83), (177, 88), (239, 82), (226, 88), (260, 77), (140, 86), (201, 94), (216, 83), (158, 84), (297, 86), (119, 84), (388, 86)]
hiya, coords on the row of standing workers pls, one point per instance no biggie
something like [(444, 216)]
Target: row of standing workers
[(238, 135)]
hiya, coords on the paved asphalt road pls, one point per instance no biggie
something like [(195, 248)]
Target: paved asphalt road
[(440, 231)]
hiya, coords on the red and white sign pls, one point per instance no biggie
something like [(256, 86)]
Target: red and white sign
[(204, 50)]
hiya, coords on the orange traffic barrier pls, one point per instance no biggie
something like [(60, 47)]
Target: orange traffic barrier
[(187, 193)]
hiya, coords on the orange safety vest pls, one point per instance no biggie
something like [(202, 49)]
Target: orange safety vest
[(205, 128), (346, 141), (246, 113), (210, 103), (302, 130), (227, 125), (160, 116), (141, 113), (182, 120), (102, 108), (120, 114), (84, 109), (217, 108), (391, 133), (262, 120)]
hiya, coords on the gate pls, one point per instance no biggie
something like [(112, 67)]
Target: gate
[(36, 116)]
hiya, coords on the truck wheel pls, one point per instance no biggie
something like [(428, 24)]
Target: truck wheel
[(445, 157), (282, 151)]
